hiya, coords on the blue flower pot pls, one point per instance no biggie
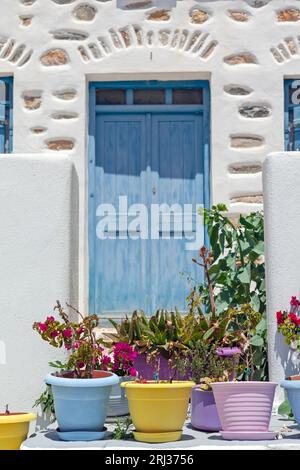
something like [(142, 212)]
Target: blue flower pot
[(81, 404), (292, 388)]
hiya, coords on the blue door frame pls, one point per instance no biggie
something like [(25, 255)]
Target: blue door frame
[(6, 117), (204, 109)]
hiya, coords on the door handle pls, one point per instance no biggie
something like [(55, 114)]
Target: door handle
[(154, 190)]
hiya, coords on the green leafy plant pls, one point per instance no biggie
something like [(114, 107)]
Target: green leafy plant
[(46, 402), (238, 270), (166, 334), (123, 429), (203, 366), (237, 273)]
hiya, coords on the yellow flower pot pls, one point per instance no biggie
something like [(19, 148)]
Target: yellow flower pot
[(14, 429), (158, 410)]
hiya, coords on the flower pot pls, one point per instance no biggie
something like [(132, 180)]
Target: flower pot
[(204, 411), (81, 404), (292, 387), (244, 407), (118, 403), (147, 371), (14, 429), (158, 410)]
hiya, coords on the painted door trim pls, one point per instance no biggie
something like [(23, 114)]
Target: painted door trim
[(9, 102)]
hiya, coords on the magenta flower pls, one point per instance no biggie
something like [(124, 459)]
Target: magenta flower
[(106, 360), (81, 365), (295, 302), (54, 333), (132, 372), (43, 327), (67, 333), (50, 319)]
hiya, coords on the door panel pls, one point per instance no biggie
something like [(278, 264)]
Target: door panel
[(120, 269), (177, 176)]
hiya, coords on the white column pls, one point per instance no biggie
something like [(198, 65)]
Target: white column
[(38, 264), (281, 181)]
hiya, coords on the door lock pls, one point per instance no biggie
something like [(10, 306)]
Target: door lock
[(154, 190)]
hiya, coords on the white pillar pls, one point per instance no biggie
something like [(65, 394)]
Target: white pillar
[(38, 264), (281, 181)]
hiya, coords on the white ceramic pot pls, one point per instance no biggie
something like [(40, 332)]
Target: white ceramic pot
[(118, 403)]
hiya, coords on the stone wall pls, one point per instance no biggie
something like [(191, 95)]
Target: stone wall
[(245, 48)]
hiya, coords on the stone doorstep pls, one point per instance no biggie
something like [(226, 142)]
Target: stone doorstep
[(191, 440)]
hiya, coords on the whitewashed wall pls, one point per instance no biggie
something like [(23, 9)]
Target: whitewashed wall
[(282, 235), (38, 253), (245, 48)]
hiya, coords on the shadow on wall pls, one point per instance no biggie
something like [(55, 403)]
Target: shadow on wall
[(74, 259), (284, 355)]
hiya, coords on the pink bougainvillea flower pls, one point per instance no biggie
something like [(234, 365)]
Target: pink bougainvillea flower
[(81, 365), (106, 360), (280, 317), (50, 319), (294, 319), (132, 372), (80, 330), (54, 333), (67, 333), (43, 327), (67, 346), (295, 302)]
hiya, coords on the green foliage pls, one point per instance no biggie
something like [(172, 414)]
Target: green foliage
[(238, 276), (123, 429), (285, 408), (163, 332), (166, 334), (203, 366), (46, 402), (238, 270)]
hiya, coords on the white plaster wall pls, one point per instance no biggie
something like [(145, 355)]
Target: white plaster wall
[(38, 259), (257, 36), (282, 234)]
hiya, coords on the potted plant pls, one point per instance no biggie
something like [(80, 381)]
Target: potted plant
[(122, 364), (152, 337), (289, 326), (14, 429), (81, 392), (159, 408), (204, 366)]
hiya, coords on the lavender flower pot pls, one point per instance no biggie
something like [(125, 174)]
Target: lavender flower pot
[(204, 411), (244, 406), (147, 371)]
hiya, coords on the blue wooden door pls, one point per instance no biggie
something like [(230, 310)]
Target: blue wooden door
[(148, 159)]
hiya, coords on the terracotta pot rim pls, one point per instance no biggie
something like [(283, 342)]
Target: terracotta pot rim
[(109, 378)]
